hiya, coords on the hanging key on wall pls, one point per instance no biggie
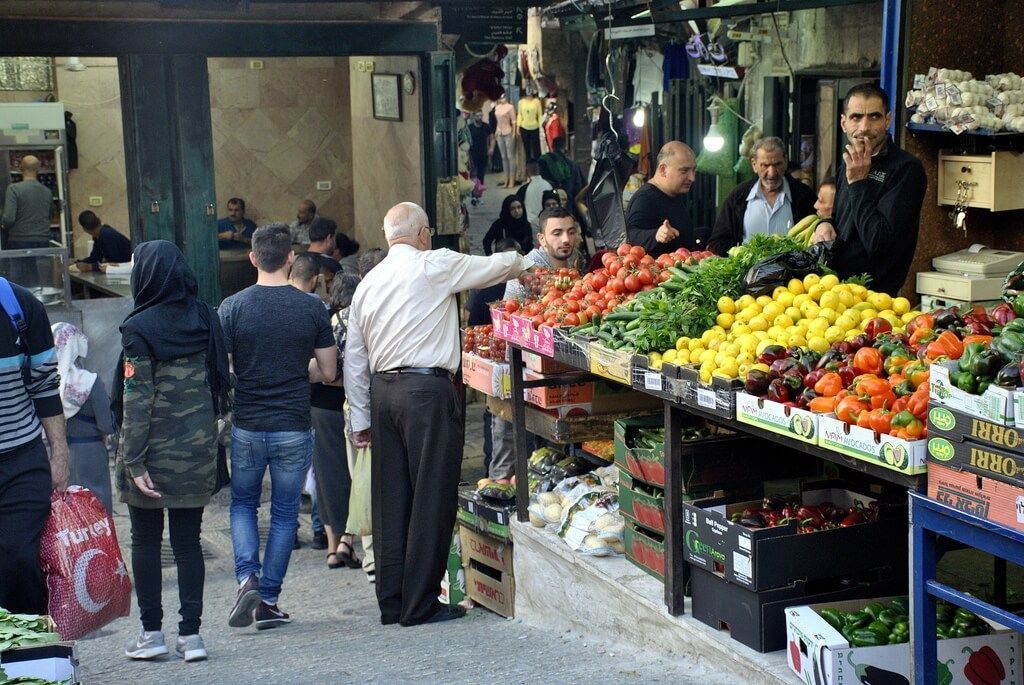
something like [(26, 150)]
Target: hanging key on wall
[(959, 213)]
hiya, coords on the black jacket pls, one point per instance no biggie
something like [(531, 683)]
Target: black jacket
[(877, 219), (729, 225)]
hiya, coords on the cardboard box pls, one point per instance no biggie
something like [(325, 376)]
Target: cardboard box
[(519, 330), (819, 651), (581, 393), (645, 503), (983, 497), (978, 458), (485, 515), (571, 349), (453, 583), (57, 661), (758, 619), (648, 380), (489, 575), (995, 404), (718, 397), (612, 364), (488, 376), (905, 456), (541, 364), (646, 549), (798, 424), (954, 424), (614, 398), (776, 557)]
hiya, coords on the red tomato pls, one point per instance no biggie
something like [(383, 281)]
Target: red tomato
[(617, 286), (647, 260), (537, 321), (571, 320), (649, 286), (512, 306), (632, 283), (593, 310), (601, 303), (646, 276), (600, 280), (624, 249), (607, 257), (558, 302), (630, 262), (622, 273), (638, 251), (572, 306)]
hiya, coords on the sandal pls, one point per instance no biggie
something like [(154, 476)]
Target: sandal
[(334, 565), (348, 556)]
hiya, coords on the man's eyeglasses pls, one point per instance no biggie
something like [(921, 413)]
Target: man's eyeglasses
[(431, 230)]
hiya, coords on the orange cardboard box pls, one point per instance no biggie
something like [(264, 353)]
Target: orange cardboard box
[(558, 395), (983, 497), (489, 377)]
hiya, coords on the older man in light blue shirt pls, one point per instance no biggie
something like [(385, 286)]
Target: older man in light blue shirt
[(769, 202)]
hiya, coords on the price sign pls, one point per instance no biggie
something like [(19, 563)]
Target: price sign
[(706, 398)]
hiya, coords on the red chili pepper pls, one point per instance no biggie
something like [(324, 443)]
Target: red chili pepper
[(984, 667)]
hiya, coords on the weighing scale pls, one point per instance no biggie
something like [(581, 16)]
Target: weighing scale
[(971, 276)]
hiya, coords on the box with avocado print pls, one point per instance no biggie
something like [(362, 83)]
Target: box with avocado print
[(968, 443), (820, 654), (905, 456), (716, 539), (995, 404), (798, 424)]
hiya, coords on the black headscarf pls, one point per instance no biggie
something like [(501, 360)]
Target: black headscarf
[(518, 230), (169, 321)]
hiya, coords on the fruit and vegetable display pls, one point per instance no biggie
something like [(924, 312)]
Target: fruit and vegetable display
[(480, 340), (881, 623), (803, 230), (778, 511), (559, 297), (23, 630), (812, 313), (684, 304)]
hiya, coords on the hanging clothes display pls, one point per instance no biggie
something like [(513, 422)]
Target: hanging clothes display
[(676, 65), (648, 76)]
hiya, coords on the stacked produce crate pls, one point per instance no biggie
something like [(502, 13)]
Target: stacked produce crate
[(486, 547)]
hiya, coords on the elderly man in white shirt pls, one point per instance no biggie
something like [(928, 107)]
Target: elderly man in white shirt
[(400, 359)]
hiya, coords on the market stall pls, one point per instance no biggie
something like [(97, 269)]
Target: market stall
[(793, 419)]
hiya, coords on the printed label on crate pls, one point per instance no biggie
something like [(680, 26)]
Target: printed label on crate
[(778, 418), (706, 398), (1020, 508), (899, 455), (977, 495), (962, 501), (978, 458), (652, 380)]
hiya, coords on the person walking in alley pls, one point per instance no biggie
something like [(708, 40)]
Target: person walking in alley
[(172, 384), (400, 359), (272, 330)]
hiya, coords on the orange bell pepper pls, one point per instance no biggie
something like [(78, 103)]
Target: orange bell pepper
[(883, 400), (869, 360), (870, 386), (880, 420), (918, 404), (828, 385), (921, 336), (900, 404), (850, 407), (920, 321), (985, 340), (946, 345), (864, 420), (822, 405)]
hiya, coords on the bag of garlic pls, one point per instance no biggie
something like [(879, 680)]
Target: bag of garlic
[(591, 524)]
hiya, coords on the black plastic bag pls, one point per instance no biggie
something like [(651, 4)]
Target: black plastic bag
[(604, 197), (771, 272)]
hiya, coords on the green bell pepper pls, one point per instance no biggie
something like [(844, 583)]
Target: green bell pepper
[(864, 637), (986, 364), (971, 350), (888, 617), (965, 380), (901, 605), (833, 618), (874, 608), (880, 629), (858, 619)]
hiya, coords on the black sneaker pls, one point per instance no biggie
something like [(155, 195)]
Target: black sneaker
[(297, 544), (320, 540), (245, 603), (269, 616)]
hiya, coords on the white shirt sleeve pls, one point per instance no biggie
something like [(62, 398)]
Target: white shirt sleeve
[(461, 272), (357, 374)]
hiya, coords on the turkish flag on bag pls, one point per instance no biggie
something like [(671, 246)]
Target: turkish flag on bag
[(87, 582)]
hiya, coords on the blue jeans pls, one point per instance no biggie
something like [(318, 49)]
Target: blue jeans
[(288, 454)]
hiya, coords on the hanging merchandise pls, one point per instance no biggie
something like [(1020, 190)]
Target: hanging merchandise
[(595, 72), (604, 198), (482, 81), (676, 66), (448, 219), (553, 127), (648, 76)]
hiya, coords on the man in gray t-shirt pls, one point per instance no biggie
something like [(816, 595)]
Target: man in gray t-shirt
[(27, 207)]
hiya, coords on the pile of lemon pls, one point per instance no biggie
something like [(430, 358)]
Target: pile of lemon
[(813, 312)]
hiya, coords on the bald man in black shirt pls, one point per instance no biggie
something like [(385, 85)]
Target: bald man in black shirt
[(658, 218)]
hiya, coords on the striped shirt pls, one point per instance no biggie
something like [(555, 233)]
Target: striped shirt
[(22, 404)]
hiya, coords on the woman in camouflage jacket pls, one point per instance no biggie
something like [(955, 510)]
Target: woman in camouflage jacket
[(172, 387)]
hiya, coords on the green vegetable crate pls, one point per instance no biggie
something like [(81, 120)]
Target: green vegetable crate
[(996, 404), (485, 515), (645, 549), (819, 653), (645, 503)]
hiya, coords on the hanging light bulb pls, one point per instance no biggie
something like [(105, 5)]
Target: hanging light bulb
[(639, 117), (714, 140)]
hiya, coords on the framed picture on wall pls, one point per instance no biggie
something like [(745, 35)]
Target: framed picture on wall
[(387, 96)]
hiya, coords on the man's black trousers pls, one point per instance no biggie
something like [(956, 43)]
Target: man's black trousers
[(417, 438), (25, 487)]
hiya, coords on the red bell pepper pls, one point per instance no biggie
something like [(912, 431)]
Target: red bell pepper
[(984, 667), (875, 326)]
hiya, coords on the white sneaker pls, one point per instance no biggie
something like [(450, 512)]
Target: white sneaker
[(148, 645), (191, 648)]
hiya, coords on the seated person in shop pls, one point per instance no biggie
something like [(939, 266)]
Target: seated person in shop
[(234, 232), (826, 201), (658, 218), (771, 203), (303, 218), (879, 192), (109, 246)]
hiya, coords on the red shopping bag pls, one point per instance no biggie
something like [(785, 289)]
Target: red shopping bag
[(87, 582)]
